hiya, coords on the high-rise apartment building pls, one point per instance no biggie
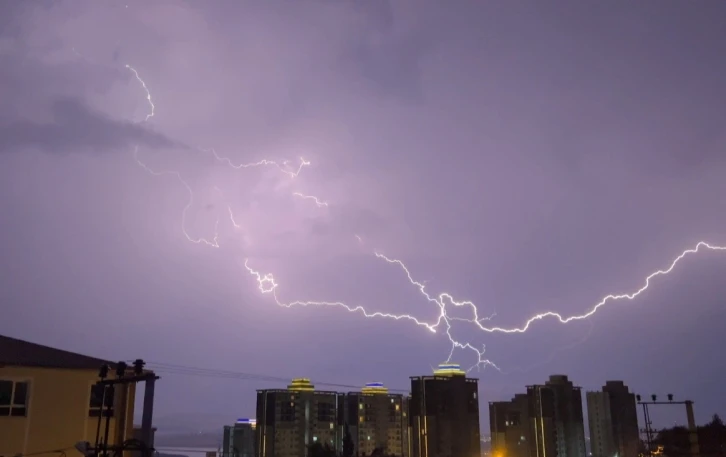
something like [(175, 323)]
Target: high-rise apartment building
[(613, 421), (239, 439), (600, 423), (558, 428), (444, 411), (290, 420), (377, 419), (510, 427)]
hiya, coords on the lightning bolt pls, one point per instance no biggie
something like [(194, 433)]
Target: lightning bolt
[(444, 301), (282, 166), (607, 298), (214, 242), (317, 201), (231, 218), (146, 89), (152, 110), (267, 285)]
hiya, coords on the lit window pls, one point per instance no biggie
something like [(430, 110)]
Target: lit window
[(369, 438), (315, 438), (331, 426), (398, 407), (360, 406), (391, 400)]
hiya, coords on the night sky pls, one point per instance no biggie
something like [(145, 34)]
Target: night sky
[(525, 156)]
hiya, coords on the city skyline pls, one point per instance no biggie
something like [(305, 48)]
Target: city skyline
[(440, 416), (612, 386), (524, 157)]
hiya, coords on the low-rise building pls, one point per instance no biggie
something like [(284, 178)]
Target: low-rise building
[(49, 400)]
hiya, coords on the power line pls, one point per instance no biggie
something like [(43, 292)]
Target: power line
[(169, 368), (227, 374)]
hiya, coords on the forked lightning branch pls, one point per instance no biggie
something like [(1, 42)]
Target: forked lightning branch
[(444, 302)]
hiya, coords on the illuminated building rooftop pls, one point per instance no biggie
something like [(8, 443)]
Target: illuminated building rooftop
[(246, 421), (301, 384), (374, 388), (449, 369), (251, 422)]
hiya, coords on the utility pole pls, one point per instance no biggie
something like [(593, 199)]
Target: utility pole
[(690, 418), (124, 378)]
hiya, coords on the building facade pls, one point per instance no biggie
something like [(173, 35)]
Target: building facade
[(48, 399), (378, 420), (238, 440), (290, 420), (613, 421), (558, 428), (541, 404), (600, 424), (444, 411), (510, 427)]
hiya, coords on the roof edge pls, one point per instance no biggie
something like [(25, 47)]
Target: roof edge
[(15, 352)]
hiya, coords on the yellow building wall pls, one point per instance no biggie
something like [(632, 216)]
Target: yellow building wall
[(58, 407)]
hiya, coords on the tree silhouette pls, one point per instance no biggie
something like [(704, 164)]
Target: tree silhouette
[(711, 440), (380, 452), (318, 449), (716, 421)]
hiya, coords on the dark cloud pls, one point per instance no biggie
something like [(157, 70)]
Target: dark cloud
[(386, 57), (77, 128), (388, 69), (11, 14)]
